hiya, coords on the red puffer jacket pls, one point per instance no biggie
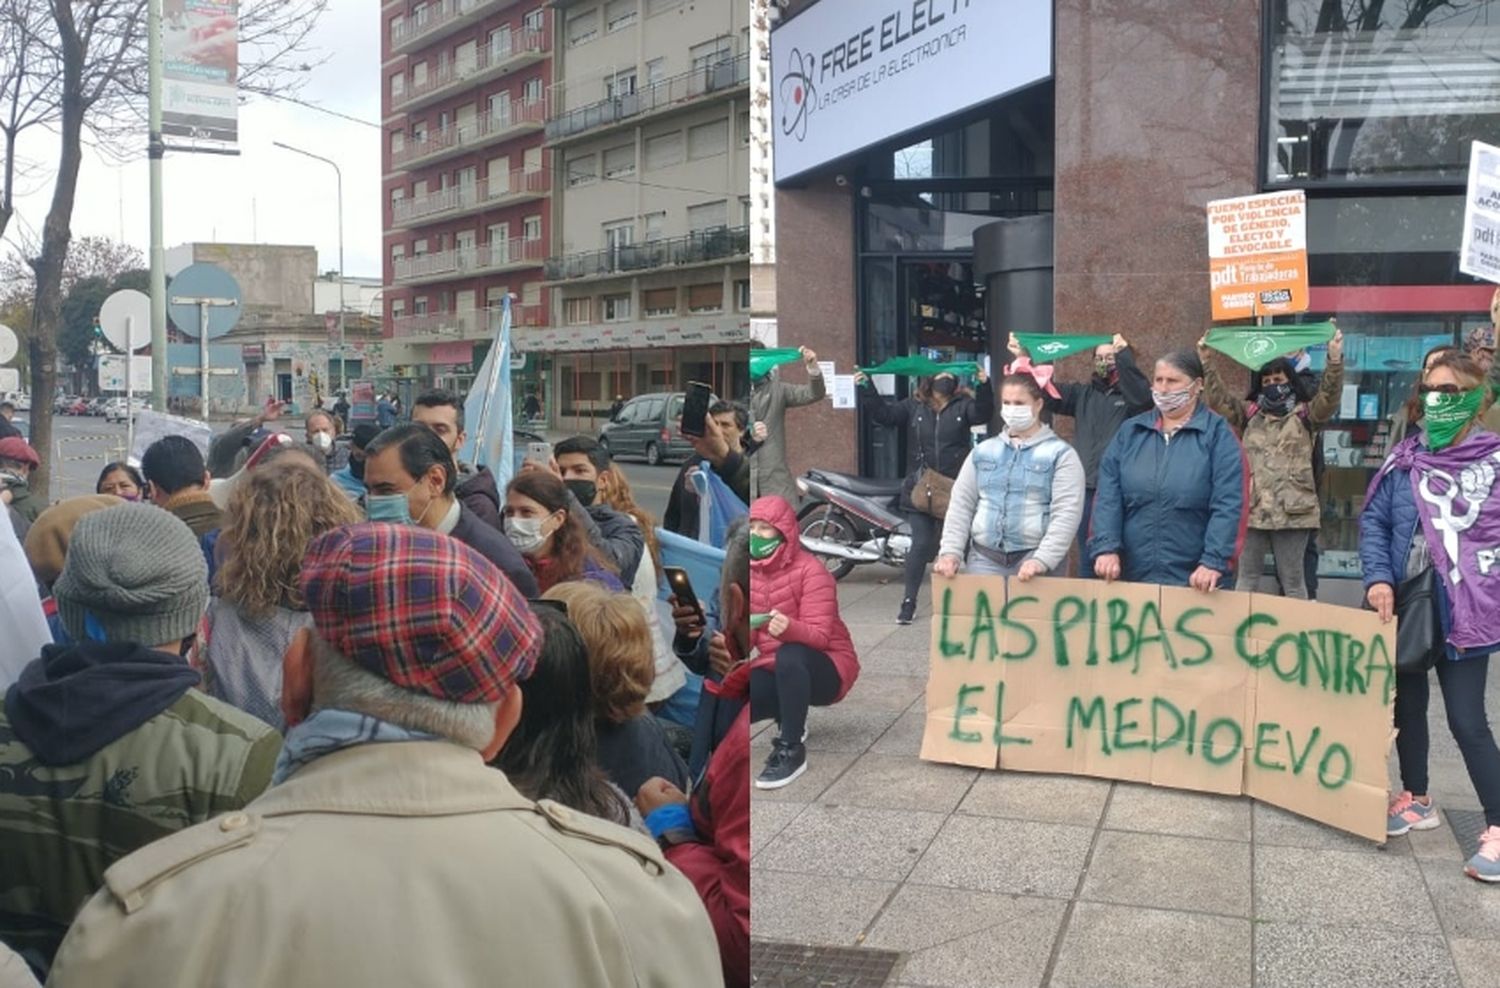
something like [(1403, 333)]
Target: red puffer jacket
[(795, 583)]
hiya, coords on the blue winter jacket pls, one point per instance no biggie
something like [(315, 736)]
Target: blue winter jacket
[(1169, 506)]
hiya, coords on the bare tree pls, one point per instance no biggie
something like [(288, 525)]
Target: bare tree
[(80, 70)]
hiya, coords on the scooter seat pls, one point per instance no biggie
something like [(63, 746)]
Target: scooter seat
[(862, 486)]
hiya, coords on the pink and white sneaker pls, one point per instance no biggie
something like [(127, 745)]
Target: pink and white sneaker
[(1406, 814), (1485, 864)]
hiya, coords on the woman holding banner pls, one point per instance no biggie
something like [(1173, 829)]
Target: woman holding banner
[(940, 421), (1170, 507), (1016, 502), (1414, 535), (1278, 422)]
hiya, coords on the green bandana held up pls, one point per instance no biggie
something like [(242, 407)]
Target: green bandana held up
[(1256, 346), (761, 361), (759, 621), (919, 366), (1044, 349), (764, 546), (1445, 415)]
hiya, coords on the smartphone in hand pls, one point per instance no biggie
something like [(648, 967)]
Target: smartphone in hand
[(682, 588), (695, 409)]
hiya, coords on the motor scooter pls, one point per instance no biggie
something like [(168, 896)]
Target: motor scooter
[(852, 521)]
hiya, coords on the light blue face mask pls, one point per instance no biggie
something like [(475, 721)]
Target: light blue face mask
[(391, 508)]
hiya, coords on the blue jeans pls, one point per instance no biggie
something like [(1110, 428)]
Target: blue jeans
[(1085, 561), (1462, 683)]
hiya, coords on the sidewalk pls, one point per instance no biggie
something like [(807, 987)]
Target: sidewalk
[(979, 878)]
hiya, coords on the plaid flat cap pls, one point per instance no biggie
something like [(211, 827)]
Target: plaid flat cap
[(421, 610)]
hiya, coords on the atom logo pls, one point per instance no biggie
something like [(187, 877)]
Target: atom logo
[(1054, 347), (1258, 346), (798, 95)]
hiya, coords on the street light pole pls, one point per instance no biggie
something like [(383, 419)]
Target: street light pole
[(154, 151), (339, 180)]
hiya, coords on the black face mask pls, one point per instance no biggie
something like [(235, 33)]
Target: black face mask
[(357, 468), (585, 490), (1277, 399), (944, 387)]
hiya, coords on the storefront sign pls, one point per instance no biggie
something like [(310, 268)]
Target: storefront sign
[(1257, 255), (1480, 253), (112, 373), (200, 62), (1287, 701), (847, 74), (253, 353)]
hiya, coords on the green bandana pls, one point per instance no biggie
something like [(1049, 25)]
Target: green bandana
[(759, 620), (1044, 349), (1444, 416), (761, 361), (1256, 346), (764, 546), (918, 366)]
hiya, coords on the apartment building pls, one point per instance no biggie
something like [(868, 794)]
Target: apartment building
[(648, 128), (466, 179)]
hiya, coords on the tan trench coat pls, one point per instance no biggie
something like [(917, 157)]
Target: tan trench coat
[(401, 864)]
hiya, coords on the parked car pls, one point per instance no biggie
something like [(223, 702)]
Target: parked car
[(95, 405), (63, 404), (648, 426), (20, 399), (114, 408)]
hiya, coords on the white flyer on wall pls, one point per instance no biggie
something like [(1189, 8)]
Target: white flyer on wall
[(1479, 253), (843, 391)]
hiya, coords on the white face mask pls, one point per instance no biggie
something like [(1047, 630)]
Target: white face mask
[(525, 534), (1018, 418), (323, 440)]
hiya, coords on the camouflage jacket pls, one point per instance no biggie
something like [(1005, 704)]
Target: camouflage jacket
[(1283, 494), (62, 826)]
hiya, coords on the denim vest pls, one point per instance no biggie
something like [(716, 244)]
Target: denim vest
[(1015, 492)]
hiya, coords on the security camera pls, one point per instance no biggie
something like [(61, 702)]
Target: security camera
[(840, 181)]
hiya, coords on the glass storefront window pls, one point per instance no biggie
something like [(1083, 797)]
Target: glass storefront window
[(1371, 91)]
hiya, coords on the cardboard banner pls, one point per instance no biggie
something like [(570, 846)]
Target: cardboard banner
[(1479, 251), (1287, 701), (1256, 346), (1044, 349), (1257, 255)]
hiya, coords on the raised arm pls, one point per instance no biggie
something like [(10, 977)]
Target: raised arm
[(1331, 388), (796, 395), (1217, 395), (1133, 382)]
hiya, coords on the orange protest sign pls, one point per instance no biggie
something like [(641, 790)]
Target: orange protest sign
[(1257, 255)]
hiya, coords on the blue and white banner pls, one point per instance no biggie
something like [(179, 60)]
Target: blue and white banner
[(487, 412)]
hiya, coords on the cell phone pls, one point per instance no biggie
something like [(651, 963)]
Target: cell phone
[(695, 409), (682, 587), (539, 453)]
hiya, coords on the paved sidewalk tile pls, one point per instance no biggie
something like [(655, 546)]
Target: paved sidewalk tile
[(959, 939), (1151, 948), (850, 726), (1152, 809), (889, 660), (1478, 962), (1046, 798), (1281, 828), (1294, 884), (900, 782), (767, 819), (852, 841), (813, 908), (1018, 856), (1468, 909), (867, 635), (904, 737), (1288, 955), (1170, 873), (886, 691)]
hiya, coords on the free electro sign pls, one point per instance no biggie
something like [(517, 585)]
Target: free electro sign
[(848, 74), (1257, 255)]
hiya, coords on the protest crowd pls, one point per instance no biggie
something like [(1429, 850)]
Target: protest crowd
[(264, 697)]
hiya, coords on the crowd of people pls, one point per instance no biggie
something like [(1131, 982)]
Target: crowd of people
[(278, 685)]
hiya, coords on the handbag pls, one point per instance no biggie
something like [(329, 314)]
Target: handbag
[(1419, 629), (931, 493)]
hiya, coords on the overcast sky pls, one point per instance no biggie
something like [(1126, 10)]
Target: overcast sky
[(266, 195)]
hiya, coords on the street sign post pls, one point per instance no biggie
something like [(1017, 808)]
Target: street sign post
[(125, 320), (205, 304)]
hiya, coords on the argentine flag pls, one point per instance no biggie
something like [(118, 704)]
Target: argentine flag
[(487, 414)]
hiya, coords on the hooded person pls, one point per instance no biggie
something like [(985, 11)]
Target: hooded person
[(805, 656), (443, 412), (384, 816), (107, 745), (770, 397)]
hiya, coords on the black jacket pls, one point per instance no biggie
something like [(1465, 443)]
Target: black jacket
[(940, 440), (476, 491), (495, 547), (613, 533), (1099, 411), (682, 503)]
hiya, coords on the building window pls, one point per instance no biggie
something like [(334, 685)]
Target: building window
[(397, 194), (744, 210), (616, 308), (711, 52), (656, 71), (398, 142), (619, 162), (419, 75), (419, 132), (661, 6), (707, 216), (663, 150), (708, 140), (419, 305), (659, 302), (576, 311), (583, 27), (494, 298), (398, 24), (655, 225), (398, 308), (398, 85), (531, 294), (534, 20), (419, 248), (531, 228), (582, 169), (531, 91), (706, 298), (500, 43), (1395, 94), (617, 235), (620, 84), (619, 14), (398, 252), (742, 125), (742, 295)]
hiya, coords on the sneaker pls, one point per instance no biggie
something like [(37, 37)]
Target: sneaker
[(1406, 814), (1485, 864), (787, 761), (908, 611)]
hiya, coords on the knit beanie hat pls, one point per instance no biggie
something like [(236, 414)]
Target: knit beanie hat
[(138, 572), (47, 541)]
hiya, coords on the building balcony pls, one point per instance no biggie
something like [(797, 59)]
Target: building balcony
[(693, 250), (461, 262), (464, 324), (440, 19), (452, 77), (697, 86), (460, 200), (519, 118)]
